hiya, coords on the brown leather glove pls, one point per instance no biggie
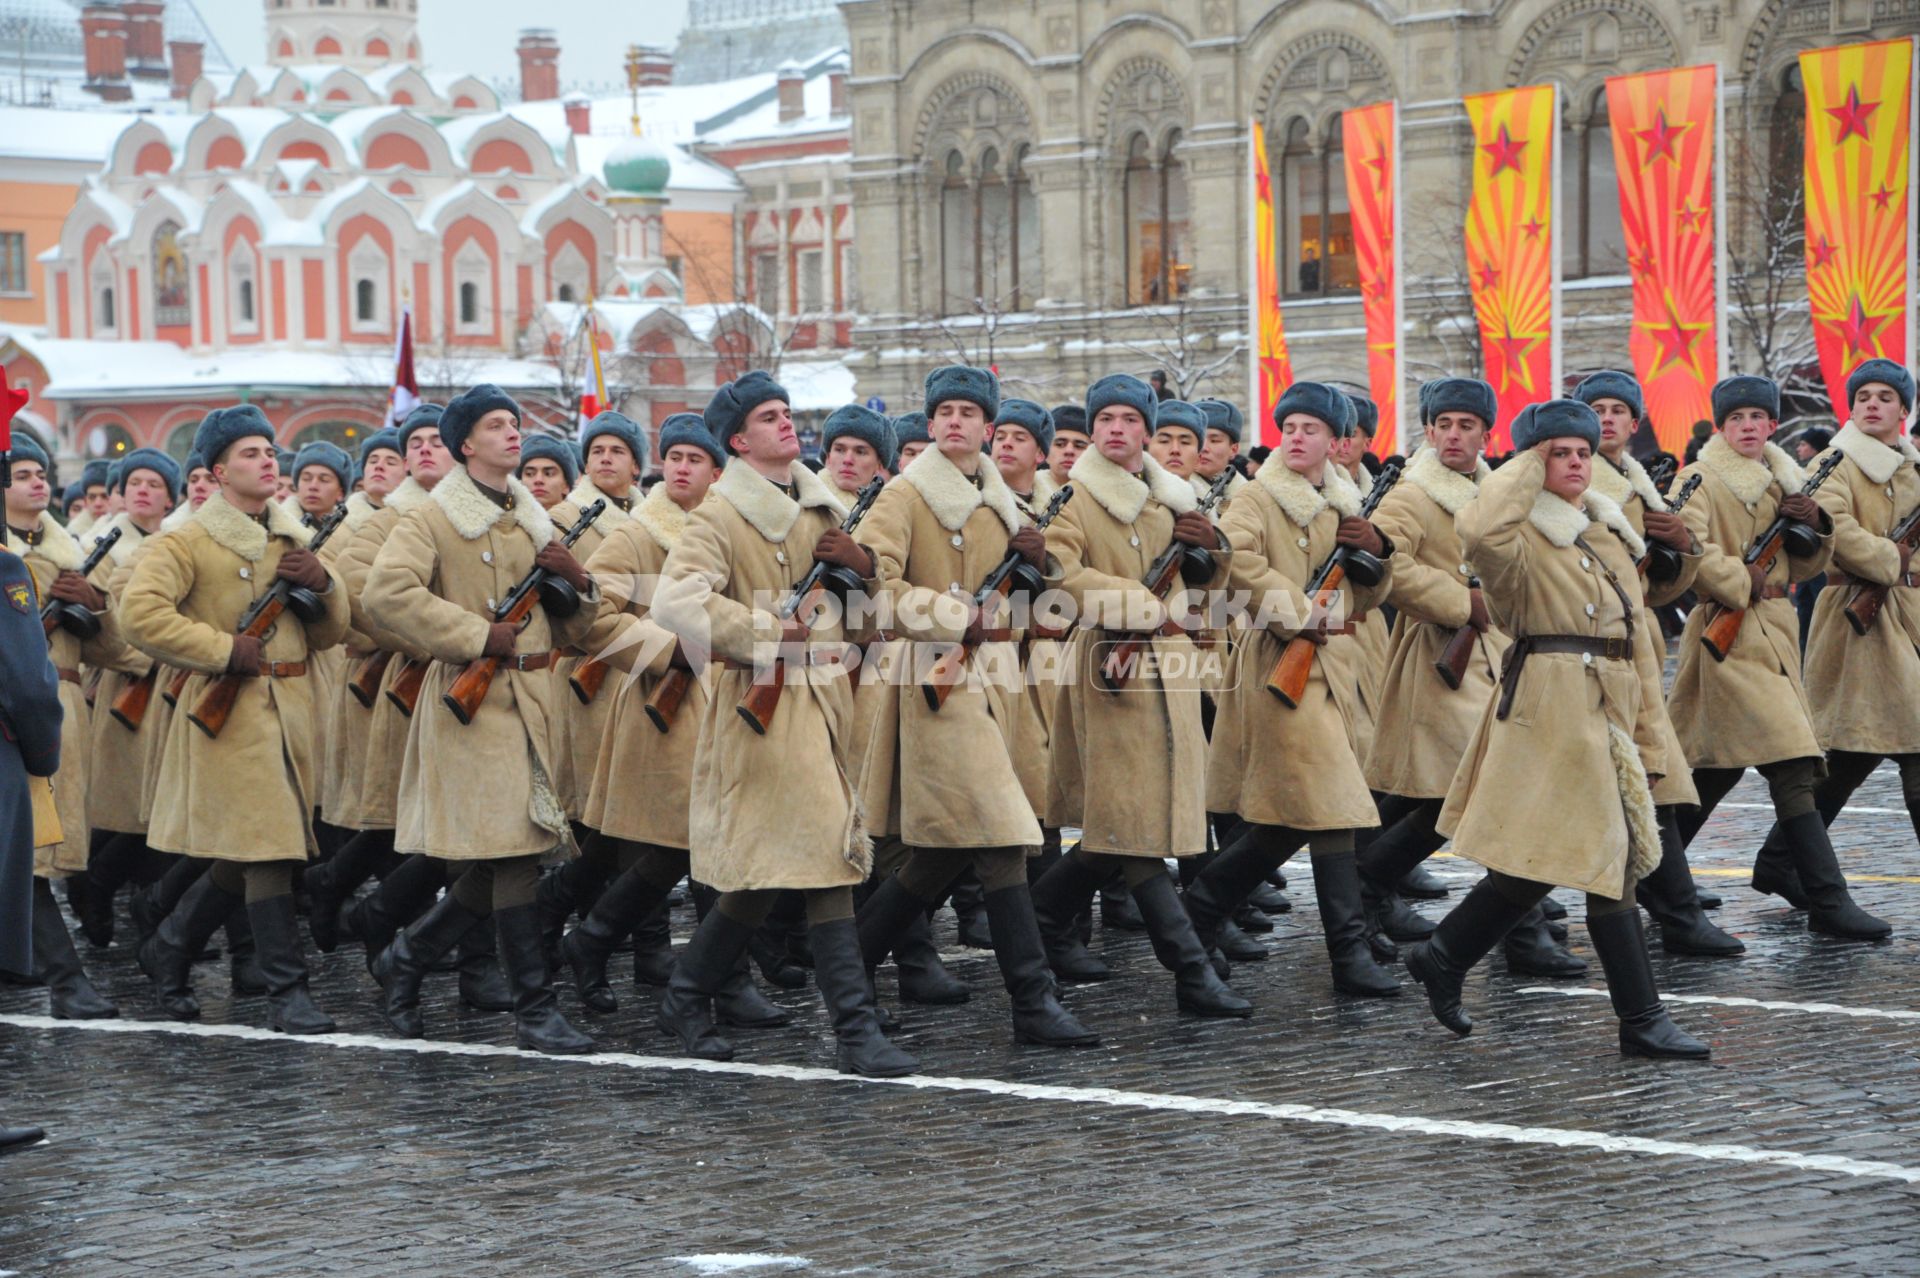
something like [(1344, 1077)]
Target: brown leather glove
[(499, 640), (1801, 508), (1669, 530), (837, 546), (678, 661), (71, 587), (793, 630), (1477, 615), (1757, 582), (558, 561), (1195, 529), (1361, 535), (1031, 544), (1906, 556), (1316, 634), (303, 568), (244, 660)]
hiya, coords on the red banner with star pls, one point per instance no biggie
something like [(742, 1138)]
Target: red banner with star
[(1272, 370), (1512, 262), (1860, 210), (1370, 138), (1665, 136)]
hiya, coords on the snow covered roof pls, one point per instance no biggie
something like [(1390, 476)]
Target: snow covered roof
[(690, 172), (763, 121), (817, 385), (42, 133)]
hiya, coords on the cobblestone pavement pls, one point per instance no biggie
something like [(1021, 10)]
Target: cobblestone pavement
[(1327, 1135)]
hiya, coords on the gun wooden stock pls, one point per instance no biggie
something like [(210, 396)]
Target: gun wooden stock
[(664, 705), (469, 688), (365, 685), (587, 678), (763, 698), (1722, 628), (1864, 604), (49, 622), (405, 692), (1288, 678), (129, 706), (1451, 664), (175, 686), (949, 672), (217, 702)]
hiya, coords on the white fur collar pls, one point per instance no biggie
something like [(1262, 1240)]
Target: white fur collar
[(1631, 480), (407, 496), (662, 518), (1202, 486), (762, 503), (951, 496), (1749, 480), (1045, 485), (1560, 521), (1123, 494), (584, 494), (360, 509), (130, 538), (1449, 489), (1299, 500), (56, 545), (178, 518), (472, 513), (242, 533), (1875, 460)]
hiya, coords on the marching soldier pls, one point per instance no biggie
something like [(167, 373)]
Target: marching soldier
[(1425, 726), (1178, 429), (1217, 450), (857, 444), (647, 824), (1022, 437), (910, 439), (1128, 767), (1070, 440), (322, 478), (935, 534), (54, 559), (1371, 633), (480, 794), (1668, 892), (98, 499), (244, 798), (549, 469), (1289, 521), (773, 806), (1848, 674), (1554, 788)]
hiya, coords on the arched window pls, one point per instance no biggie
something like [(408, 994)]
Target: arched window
[(566, 293), (469, 302), (1297, 216), (1592, 241), (366, 301), (367, 268), (989, 233), (1154, 211), (1786, 148), (172, 300), (242, 313), (958, 284), (104, 317), (1026, 231)]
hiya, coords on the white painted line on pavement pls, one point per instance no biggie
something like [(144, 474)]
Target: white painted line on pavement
[(1849, 810), (1765, 1004), (1461, 1129)]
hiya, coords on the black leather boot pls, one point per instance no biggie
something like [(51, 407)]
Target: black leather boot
[(402, 897), (1830, 908), (1197, 988), (108, 870), (653, 944), (1645, 1027), (1442, 961), (739, 1004), (1422, 884), (1336, 885), (894, 920), (1774, 873), (586, 949), (554, 899), (1117, 909), (539, 1025), (1235, 944), (1220, 888), (483, 987), (1038, 1017), (243, 959), (1058, 899), (970, 912), (276, 935), (167, 956), (16, 1138), (331, 884), (841, 974), (155, 901), (70, 995), (1532, 951), (702, 968), (402, 967), (1669, 898)]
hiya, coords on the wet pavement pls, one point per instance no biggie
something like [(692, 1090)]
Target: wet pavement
[(1326, 1135)]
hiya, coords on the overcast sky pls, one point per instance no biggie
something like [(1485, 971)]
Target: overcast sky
[(477, 36)]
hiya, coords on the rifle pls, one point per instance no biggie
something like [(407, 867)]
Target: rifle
[(1662, 471), (470, 686), (217, 702), (1723, 624), (130, 704), (1864, 604), (951, 667), (763, 698), (175, 686), (1661, 562), (77, 621), (1451, 664), (1159, 579), (365, 684), (1288, 678), (405, 692), (664, 704)]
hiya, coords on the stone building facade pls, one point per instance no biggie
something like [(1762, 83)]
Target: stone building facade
[(1061, 188)]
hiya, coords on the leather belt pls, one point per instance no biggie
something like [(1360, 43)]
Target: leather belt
[(282, 669), (68, 676), (527, 661), (1772, 592), (1848, 579), (812, 657), (1347, 629), (1588, 646)]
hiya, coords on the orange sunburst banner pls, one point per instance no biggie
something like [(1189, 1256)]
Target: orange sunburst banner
[(1665, 127), (1272, 370), (1512, 260), (1370, 138), (1860, 209)]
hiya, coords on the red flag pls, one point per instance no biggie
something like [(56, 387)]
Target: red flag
[(405, 395), (12, 400)]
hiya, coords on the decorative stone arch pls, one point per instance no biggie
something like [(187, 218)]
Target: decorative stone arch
[(1318, 75), (346, 85), (1574, 39), (404, 140), (297, 139), (1141, 95), (1159, 26), (141, 149), (957, 116)]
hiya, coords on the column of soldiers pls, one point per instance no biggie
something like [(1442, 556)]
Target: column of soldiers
[(518, 696)]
